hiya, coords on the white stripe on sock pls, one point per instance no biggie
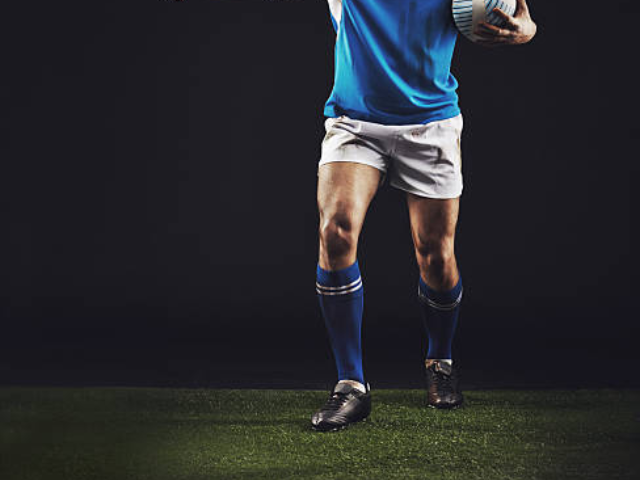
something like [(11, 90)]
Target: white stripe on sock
[(341, 287), (440, 306), (358, 286)]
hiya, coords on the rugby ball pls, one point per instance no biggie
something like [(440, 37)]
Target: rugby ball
[(467, 14)]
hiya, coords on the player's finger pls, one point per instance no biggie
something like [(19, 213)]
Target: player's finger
[(492, 37), (509, 21), (487, 28)]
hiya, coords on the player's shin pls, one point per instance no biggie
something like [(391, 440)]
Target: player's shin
[(340, 295), (440, 311)]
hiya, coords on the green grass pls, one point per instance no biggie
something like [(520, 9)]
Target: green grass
[(156, 434)]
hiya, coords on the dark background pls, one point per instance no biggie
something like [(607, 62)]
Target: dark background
[(158, 200)]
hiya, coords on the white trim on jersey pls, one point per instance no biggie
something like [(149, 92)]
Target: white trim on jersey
[(335, 7)]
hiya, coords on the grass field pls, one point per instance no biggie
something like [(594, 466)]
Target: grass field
[(156, 434)]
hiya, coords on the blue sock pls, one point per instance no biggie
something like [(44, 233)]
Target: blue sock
[(440, 314), (341, 301)]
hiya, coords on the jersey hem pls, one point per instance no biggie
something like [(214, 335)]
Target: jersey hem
[(450, 112)]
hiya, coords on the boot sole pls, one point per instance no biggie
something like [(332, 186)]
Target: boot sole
[(337, 428)]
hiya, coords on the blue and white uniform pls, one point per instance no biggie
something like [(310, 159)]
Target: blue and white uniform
[(394, 104), (393, 107), (393, 61)]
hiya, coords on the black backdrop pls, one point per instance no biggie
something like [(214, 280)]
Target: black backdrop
[(158, 200)]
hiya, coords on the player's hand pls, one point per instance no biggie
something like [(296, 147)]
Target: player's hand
[(516, 30)]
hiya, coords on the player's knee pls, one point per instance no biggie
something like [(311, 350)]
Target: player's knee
[(435, 252), (337, 236)]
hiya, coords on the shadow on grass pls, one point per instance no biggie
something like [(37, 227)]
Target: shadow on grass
[(250, 422)]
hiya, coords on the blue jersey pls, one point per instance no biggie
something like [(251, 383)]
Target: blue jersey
[(393, 61)]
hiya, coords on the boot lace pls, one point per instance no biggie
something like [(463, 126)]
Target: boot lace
[(335, 402), (443, 381)]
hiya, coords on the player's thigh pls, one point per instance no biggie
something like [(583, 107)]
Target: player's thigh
[(345, 191), (433, 221)]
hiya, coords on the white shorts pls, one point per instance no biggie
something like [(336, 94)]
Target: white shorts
[(423, 159)]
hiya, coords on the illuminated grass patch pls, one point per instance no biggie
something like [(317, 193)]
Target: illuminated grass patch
[(157, 434)]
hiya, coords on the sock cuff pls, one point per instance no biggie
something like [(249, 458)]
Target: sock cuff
[(447, 300), (338, 282)]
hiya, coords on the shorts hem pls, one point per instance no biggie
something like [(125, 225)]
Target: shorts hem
[(435, 196), (361, 162)]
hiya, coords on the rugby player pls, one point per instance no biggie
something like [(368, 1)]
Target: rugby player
[(393, 115)]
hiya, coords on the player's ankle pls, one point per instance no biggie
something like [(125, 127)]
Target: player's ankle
[(355, 384), (430, 361)]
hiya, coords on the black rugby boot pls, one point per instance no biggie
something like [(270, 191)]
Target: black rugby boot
[(345, 405), (443, 390)]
